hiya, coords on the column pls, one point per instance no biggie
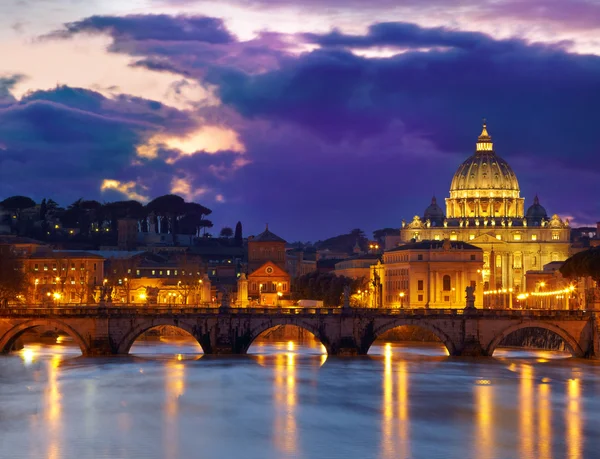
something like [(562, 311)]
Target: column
[(511, 262), (460, 292)]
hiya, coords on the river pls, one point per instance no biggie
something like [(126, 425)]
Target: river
[(288, 400)]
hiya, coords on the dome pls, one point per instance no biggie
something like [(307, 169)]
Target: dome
[(485, 172), (434, 213), (536, 211), (484, 186)]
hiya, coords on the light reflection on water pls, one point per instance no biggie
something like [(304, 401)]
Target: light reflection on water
[(288, 400)]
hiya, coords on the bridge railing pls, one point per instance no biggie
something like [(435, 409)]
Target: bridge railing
[(120, 310)]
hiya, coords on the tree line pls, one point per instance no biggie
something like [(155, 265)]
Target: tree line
[(165, 214)]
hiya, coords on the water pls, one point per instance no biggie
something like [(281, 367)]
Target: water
[(290, 401)]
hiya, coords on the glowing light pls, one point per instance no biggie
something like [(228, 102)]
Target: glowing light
[(142, 296), (27, 355), (126, 188), (207, 139), (290, 346)]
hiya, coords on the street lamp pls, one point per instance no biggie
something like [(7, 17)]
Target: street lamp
[(401, 299)]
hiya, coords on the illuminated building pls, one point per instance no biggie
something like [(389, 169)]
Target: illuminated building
[(63, 277), (268, 280), (485, 209), (431, 274), (265, 247)]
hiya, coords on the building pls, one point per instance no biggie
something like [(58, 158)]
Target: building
[(298, 264), (356, 267), (266, 247), (485, 209), (268, 281), (269, 285), (63, 277), (430, 274)]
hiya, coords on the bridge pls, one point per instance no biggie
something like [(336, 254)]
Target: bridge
[(112, 330)]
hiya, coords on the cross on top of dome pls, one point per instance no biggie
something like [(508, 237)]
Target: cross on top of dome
[(484, 141)]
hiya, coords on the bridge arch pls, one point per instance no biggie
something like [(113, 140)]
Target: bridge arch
[(571, 343), (259, 329), (8, 339), (378, 331), (125, 344)]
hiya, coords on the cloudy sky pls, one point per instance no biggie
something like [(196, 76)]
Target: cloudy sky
[(317, 116)]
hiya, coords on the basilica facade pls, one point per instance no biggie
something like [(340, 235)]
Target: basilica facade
[(485, 209)]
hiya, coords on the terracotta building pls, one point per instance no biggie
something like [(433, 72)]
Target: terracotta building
[(267, 246), (268, 280)]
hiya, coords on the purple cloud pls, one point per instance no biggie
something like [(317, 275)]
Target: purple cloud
[(153, 27), (341, 140)]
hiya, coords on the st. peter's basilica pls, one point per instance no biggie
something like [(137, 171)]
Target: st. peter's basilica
[(485, 209)]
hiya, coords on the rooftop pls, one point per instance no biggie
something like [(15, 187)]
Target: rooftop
[(436, 245)]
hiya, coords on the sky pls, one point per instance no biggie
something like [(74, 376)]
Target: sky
[(315, 117)]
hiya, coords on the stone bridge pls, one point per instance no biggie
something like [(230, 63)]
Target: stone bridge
[(112, 330)]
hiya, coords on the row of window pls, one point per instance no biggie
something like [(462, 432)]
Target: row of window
[(268, 287), (516, 236), (63, 267)]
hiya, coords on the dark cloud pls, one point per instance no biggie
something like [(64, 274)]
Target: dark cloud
[(64, 142), (404, 34), (7, 83), (340, 140), (153, 27)]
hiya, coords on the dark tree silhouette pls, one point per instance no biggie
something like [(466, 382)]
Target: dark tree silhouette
[(324, 286), (583, 264), (226, 232), (13, 280), (238, 234)]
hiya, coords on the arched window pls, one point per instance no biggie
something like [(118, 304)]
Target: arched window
[(447, 283)]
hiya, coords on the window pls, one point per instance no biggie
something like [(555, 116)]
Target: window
[(471, 237), (419, 257), (453, 237), (168, 272), (447, 283), (72, 266), (517, 236), (419, 285), (420, 297), (153, 272), (53, 266), (555, 236), (95, 267), (436, 237), (534, 237), (45, 267), (446, 298), (472, 257), (499, 237), (35, 267)]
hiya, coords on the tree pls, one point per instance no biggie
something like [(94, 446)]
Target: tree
[(167, 208), (226, 232), (380, 234), (238, 234), (13, 280), (43, 210), (326, 287), (583, 264), (16, 204)]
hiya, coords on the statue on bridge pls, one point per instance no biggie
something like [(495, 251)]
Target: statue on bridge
[(470, 297), (346, 303)]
